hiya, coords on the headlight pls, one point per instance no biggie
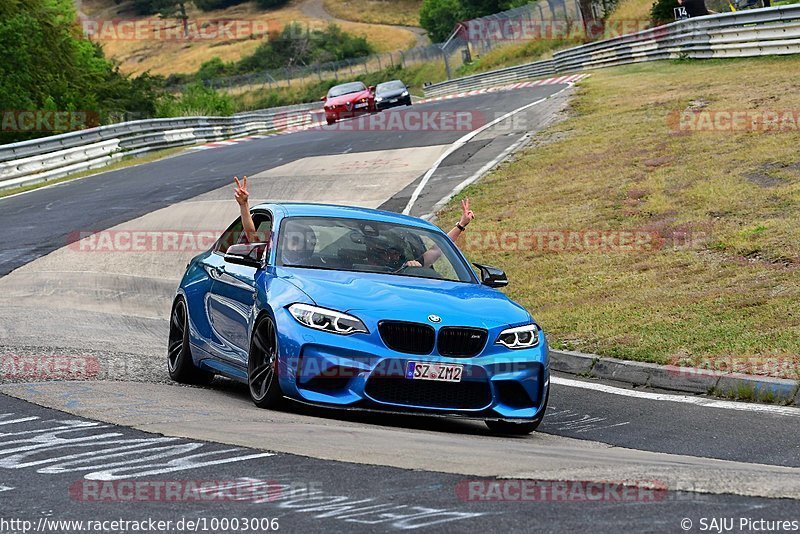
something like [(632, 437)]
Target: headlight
[(405, 93), (521, 337), (327, 320), (379, 99)]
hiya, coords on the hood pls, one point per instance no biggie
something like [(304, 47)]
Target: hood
[(406, 298), (391, 94), (350, 97)]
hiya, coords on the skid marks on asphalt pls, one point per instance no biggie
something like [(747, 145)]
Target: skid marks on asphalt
[(53, 446), (566, 420), (115, 464)]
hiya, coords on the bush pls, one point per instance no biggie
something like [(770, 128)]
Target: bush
[(196, 100), (295, 45), (210, 5), (662, 12), (270, 4)]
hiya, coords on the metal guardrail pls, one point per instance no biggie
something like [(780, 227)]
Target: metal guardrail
[(49, 158), (492, 78), (758, 32)]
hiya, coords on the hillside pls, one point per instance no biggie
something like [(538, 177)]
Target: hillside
[(166, 56)]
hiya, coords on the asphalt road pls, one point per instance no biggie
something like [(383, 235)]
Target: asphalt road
[(43, 220), (400, 463), (303, 494)]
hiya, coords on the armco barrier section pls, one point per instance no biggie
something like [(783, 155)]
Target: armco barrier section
[(49, 158), (757, 32)]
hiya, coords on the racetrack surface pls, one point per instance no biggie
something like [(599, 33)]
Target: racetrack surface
[(112, 307)]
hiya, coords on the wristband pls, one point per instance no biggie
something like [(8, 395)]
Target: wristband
[(462, 228)]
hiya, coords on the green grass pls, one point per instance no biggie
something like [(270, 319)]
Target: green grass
[(515, 54), (615, 165)]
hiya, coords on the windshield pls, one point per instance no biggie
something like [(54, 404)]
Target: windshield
[(390, 87), (360, 245), (346, 89)]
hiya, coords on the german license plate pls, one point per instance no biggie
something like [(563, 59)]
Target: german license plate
[(392, 101), (440, 372), (362, 105)]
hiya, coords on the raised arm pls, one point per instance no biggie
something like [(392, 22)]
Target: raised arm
[(242, 198), (433, 253)]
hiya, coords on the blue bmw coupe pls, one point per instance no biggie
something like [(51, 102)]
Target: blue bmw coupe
[(335, 307)]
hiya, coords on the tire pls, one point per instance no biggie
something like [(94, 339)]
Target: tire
[(179, 353), (512, 429), (330, 121), (262, 365), (518, 429)]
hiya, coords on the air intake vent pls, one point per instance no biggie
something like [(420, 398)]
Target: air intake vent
[(411, 338)]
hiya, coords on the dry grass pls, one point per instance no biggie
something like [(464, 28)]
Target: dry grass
[(402, 12), (628, 11), (170, 56), (729, 300)]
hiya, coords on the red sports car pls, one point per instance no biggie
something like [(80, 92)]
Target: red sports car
[(348, 100)]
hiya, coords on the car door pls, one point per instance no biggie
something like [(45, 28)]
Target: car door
[(231, 299)]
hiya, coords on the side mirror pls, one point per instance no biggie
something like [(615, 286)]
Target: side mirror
[(323, 99), (249, 255), (492, 276)]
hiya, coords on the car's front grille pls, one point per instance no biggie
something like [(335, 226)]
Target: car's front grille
[(411, 338), (472, 393), (461, 342)]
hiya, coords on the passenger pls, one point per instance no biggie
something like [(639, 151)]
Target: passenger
[(433, 253), (430, 256)]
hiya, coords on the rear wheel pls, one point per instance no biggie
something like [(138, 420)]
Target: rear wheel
[(179, 354), (262, 365)]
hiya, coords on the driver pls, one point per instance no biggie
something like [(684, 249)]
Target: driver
[(300, 250), (299, 243)]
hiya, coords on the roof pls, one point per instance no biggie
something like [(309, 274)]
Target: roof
[(305, 209)]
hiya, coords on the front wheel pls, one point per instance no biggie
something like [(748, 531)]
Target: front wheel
[(330, 121), (518, 429), (179, 354), (262, 365), (512, 429)]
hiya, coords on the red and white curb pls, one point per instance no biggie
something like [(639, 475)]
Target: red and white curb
[(229, 142), (320, 124), (510, 87)]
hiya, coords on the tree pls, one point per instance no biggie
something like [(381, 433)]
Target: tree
[(439, 17)]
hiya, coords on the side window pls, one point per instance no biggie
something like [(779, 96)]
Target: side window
[(263, 225), (231, 236), (235, 234)]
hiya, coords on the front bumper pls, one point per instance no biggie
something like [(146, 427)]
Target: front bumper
[(359, 372), (393, 102)]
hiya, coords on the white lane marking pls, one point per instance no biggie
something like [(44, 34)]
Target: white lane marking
[(480, 172), (75, 445), (697, 401), (462, 141)]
